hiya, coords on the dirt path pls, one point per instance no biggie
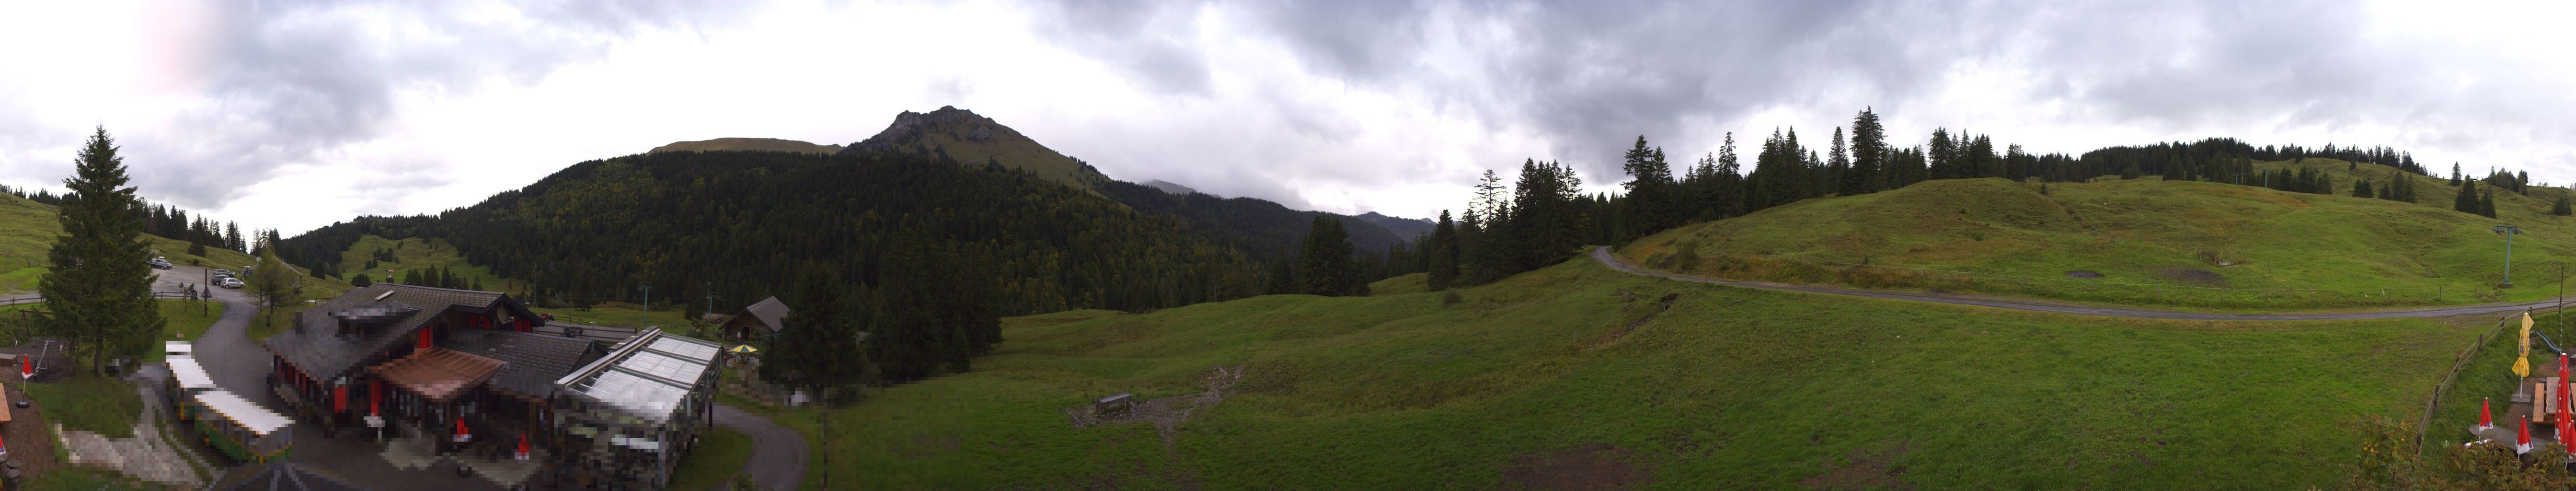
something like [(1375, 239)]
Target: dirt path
[(1603, 255)]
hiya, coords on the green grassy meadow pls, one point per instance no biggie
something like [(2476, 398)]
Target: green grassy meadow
[(620, 315), (1729, 389), (2189, 244)]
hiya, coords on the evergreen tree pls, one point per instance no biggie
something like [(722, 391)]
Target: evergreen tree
[(2560, 208), (1869, 155), (1838, 163), (1325, 267), (2486, 203), (2455, 174), (2467, 200), (814, 346), (1442, 250), (2361, 188), (233, 238), (360, 280), (1648, 206), (1726, 193), (1941, 153), (99, 287), (2130, 172), (197, 249)]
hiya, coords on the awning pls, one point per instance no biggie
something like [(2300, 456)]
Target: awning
[(438, 374)]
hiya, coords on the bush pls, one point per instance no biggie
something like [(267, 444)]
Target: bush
[(1448, 298), (360, 280)]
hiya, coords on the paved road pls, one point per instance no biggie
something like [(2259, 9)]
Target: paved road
[(1603, 255), (237, 363), (778, 454)]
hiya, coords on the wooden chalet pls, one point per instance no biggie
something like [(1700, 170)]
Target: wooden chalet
[(418, 359), (760, 319)]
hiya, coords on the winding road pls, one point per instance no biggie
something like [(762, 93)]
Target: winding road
[(1603, 255)]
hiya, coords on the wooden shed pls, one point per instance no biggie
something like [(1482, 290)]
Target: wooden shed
[(758, 320)]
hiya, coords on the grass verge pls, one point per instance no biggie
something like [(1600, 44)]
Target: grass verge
[(719, 455), (103, 405)]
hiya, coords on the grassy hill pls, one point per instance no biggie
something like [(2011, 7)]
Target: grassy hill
[(2151, 242), (749, 144), (28, 228), (1562, 372)]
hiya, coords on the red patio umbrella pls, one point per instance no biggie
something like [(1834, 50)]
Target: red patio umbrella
[(523, 447), (2486, 414), (2522, 440), (461, 433)]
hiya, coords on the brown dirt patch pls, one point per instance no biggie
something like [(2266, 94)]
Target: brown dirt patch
[(1868, 468), (2191, 275), (25, 434), (2083, 274), (1166, 413), (1589, 467)]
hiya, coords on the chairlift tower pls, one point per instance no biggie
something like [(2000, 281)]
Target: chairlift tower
[(2508, 231)]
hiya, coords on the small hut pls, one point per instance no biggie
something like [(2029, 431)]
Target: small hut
[(758, 320)]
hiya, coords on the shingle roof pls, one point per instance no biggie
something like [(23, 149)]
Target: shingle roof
[(535, 360), (771, 313), (288, 477), (317, 345)]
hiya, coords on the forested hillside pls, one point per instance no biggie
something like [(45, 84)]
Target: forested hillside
[(744, 224), (1258, 226)]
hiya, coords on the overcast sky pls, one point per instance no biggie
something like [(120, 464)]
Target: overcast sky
[(292, 114)]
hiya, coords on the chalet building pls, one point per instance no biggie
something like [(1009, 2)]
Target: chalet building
[(471, 370), (758, 320)]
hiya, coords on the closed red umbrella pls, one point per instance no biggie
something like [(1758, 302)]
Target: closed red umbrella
[(523, 447), (461, 433), (2486, 414), (2522, 440)]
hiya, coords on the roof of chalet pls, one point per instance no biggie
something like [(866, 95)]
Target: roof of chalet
[(318, 346), (770, 312), (534, 361), (438, 373)]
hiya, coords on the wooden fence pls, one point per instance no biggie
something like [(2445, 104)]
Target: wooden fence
[(2461, 362)]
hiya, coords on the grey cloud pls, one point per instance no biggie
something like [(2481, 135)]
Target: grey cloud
[(1590, 76), (295, 81), (1150, 41)]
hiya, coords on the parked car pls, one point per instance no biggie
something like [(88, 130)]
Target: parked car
[(229, 283), (160, 263)]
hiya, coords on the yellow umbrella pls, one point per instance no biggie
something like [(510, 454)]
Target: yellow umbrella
[(2522, 363), (743, 349)]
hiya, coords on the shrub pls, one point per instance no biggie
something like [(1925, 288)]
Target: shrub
[(1450, 297)]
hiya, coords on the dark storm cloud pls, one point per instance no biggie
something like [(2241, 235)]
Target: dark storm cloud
[(1591, 76), (294, 82)]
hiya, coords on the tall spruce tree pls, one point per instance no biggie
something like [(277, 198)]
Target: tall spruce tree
[(818, 338), (1869, 155), (2486, 203), (1443, 253), (100, 287), (1324, 267), (2560, 208), (2467, 200)]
